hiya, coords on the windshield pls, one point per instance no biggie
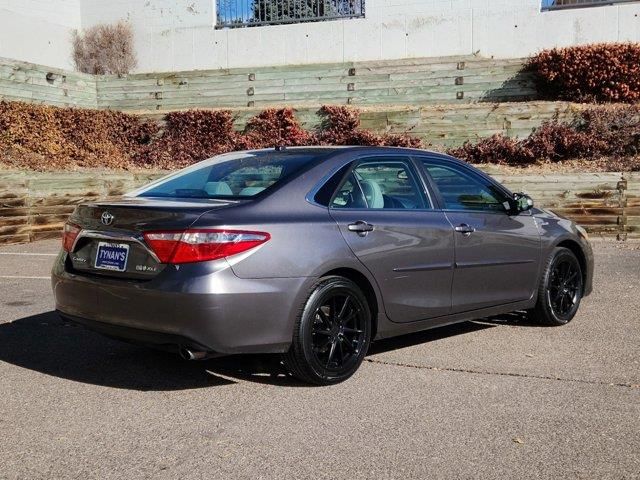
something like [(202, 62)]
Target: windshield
[(232, 176)]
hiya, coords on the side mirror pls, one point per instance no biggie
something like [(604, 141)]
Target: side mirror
[(521, 203)]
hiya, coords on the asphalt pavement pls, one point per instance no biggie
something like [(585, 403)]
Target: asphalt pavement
[(494, 398)]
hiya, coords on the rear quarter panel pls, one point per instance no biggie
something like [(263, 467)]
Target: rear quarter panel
[(305, 244)]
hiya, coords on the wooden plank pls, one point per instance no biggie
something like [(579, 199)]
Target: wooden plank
[(45, 235), (44, 98), (79, 88), (14, 212), (14, 238), (16, 229), (12, 221), (26, 66), (28, 82)]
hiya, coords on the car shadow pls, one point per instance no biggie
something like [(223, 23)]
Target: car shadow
[(425, 336), (514, 319), (47, 344)]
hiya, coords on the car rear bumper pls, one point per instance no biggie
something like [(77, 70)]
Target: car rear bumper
[(198, 306), (165, 341)]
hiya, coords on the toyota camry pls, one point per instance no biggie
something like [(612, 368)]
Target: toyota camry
[(313, 253)]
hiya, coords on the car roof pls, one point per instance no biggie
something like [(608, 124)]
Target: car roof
[(322, 149)]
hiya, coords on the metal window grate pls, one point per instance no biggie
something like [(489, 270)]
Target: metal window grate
[(253, 13), (564, 4)]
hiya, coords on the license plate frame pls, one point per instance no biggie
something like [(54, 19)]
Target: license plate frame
[(114, 261)]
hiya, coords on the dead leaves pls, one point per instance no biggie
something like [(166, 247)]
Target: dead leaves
[(604, 72)]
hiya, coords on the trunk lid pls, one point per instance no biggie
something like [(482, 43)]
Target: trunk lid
[(111, 242)]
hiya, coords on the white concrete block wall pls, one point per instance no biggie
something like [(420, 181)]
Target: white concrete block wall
[(180, 34), (151, 14), (39, 31), (169, 34)]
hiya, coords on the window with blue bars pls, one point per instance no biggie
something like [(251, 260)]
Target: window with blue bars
[(565, 4), (253, 13)]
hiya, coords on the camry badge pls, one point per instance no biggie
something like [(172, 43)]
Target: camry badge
[(106, 218)]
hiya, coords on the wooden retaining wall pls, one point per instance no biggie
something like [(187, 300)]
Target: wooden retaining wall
[(604, 203), (395, 82), (444, 100), (28, 82), (34, 206), (415, 81)]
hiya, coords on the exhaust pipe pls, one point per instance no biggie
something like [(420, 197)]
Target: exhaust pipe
[(188, 354)]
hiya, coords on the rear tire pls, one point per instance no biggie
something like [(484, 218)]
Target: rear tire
[(560, 289), (332, 333)]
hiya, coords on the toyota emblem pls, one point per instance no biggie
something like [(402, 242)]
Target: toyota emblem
[(106, 218)]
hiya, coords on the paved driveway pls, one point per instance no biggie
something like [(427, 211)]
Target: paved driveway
[(487, 399)]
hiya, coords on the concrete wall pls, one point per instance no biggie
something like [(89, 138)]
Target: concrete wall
[(39, 31), (179, 34)]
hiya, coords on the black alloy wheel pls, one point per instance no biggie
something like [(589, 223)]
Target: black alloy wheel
[(337, 334), (332, 334), (560, 290), (565, 285)]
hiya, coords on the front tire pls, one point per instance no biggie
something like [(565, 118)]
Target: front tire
[(560, 289), (332, 333)]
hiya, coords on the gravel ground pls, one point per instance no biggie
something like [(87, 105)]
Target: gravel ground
[(496, 398)]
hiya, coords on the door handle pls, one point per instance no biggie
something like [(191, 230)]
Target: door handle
[(360, 227), (464, 229)]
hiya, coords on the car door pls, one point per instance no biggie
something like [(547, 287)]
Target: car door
[(497, 253), (387, 219)]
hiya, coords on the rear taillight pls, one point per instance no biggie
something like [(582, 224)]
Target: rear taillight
[(69, 234), (201, 245)]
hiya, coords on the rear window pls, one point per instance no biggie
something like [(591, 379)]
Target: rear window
[(233, 176)]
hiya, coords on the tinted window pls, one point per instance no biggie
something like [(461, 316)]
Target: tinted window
[(379, 185), (349, 195), (324, 193), (463, 190), (236, 175)]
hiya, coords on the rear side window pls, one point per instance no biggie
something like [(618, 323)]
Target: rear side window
[(324, 193), (388, 184), (238, 175)]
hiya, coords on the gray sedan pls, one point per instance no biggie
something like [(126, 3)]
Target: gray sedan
[(312, 253)]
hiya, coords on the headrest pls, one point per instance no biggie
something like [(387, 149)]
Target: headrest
[(217, 188), (373, 193), (250, 191)]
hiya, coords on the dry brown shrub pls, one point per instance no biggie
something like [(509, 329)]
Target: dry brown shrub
[(189, 137), (105, 49), (615, 127), (494, 149), (41, 137), (273, 127), (604, 72), (340, 125), (611, 131)]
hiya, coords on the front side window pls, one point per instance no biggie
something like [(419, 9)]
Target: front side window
[(463, 190), (380, 185), (235, 176)]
